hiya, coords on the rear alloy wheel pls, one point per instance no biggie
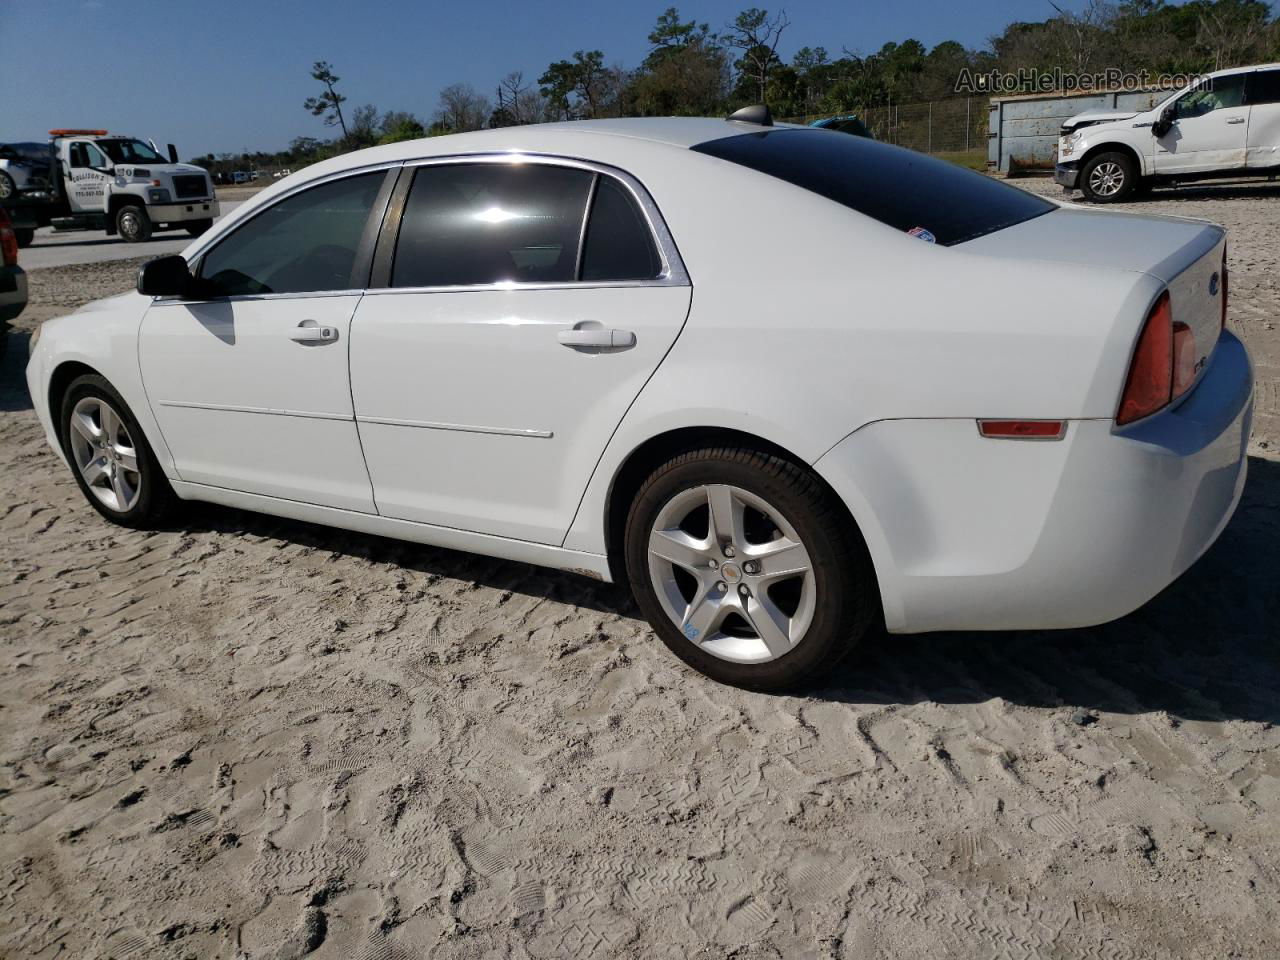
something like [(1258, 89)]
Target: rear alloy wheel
[(112, 463), (1109, 178), (7, 188), (746, 569), (133, 224)]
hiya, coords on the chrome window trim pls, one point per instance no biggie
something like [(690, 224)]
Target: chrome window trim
[(672, 274)]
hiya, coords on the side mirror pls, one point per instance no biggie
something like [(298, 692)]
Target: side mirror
[(165, 277), (173, 153), (1165, 123)]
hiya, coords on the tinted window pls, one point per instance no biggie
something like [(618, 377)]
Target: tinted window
[(304, 243), (900, 188), (130, 151), (1264, 87), (478, 223), (619, 245), (1217, 93)]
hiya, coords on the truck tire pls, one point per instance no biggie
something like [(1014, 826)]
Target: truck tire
[(133, 224), (24, 235), (197, 227), (1109, 178)]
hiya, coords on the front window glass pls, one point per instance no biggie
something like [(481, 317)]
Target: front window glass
[(131, 151), (305, 243), (480, 223), (1216, 93)]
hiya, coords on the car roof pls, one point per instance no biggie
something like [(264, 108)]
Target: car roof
[(680, 132)]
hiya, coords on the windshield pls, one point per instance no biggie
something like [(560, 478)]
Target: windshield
[(908, 191), (129, 151)]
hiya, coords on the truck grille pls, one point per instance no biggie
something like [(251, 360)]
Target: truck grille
[(191, 185)]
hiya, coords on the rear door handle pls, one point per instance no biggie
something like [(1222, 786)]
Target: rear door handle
[(590, 334), (1235, 120), (311, 332)]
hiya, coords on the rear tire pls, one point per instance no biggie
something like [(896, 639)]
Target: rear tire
[(7, 188), (113, 465), (764, 600), (24, 235), (133, 224), (197, 227), (1109, 178)]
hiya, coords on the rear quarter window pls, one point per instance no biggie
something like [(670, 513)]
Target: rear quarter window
[(900, 188)]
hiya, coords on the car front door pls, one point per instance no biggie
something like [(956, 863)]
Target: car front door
[(1263, 95), (522, 307), (1209, 130), (88, 174), (250, 383)]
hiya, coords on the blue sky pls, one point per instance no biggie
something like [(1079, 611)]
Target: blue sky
[(227, 76)]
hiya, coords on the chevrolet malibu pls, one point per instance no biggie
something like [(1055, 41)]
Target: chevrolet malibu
[(793, 387)]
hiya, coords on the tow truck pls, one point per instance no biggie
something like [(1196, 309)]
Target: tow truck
[(114, 183)]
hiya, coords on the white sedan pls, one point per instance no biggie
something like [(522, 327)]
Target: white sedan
[(792, 386)]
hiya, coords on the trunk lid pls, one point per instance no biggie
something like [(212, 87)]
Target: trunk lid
[(1185, 255)]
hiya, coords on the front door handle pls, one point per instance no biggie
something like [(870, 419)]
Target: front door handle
[(311, 332), (591, 335), (1235, 120)]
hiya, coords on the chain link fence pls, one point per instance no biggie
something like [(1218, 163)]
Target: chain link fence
[(954, 128)]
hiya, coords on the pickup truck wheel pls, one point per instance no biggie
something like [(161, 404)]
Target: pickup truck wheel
[(197, 227), (7, 189), (24, 235), (133, 224), (1109, 178)]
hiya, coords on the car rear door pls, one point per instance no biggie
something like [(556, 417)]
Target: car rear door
[(251, 385), (1211, 124), (1263, 94), (517, 308)]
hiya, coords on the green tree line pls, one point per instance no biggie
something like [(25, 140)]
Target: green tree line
[(692, 69)]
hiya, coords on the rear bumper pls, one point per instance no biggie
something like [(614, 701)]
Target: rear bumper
[(1067, 174), (181, 212), (975, 534)]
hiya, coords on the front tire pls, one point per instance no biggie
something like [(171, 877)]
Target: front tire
[(110, 458), (1109, 178), (197, 227), (133, 224), (747, 567)]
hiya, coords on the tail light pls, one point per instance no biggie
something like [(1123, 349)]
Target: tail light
[(1150, 383), (8, 241)]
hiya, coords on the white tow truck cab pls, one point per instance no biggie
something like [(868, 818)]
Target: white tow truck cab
[(125, 186), (1223, 125)]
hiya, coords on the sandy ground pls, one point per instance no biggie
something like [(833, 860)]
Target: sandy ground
[(243, 737)]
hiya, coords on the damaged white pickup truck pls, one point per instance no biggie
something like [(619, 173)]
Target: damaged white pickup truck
[(1224, 125)]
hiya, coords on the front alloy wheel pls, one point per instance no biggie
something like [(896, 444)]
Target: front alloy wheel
[(110, 458), (748, 567), (105, 455), (1109, 178)]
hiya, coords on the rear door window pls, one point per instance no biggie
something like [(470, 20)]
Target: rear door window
[(1264, 87), (472, 224), (900, 188), (619, 245)]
